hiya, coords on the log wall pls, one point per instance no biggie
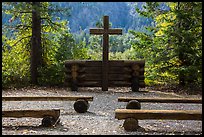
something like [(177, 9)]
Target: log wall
[(89, 73)]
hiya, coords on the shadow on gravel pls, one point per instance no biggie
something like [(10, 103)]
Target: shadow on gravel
[(36, 127), (88, 113), (164, 132)]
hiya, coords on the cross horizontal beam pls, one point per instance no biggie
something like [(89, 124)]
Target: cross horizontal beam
[(101, 31)]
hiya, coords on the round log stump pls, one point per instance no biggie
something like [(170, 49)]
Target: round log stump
[(133, 104), (48, 121), (81, 106), (130, 124)]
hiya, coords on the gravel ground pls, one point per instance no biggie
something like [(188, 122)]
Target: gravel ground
[(100, 118)]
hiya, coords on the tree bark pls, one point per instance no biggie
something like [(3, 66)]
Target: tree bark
[(36, 49), (181, 75)]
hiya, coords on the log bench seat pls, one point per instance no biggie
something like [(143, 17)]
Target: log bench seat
[(161, 100), (81, 104), (131, 116), (50, 116), (158, 114), (134, 102)]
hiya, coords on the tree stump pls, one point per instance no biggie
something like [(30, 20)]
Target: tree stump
[(81, 106), (130, 124), (133, 104)]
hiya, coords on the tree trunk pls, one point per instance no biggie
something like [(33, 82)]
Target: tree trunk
[(181, 75), (36, 50)]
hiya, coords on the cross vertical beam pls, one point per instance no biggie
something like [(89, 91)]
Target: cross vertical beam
[(105, 32), (105, 54)]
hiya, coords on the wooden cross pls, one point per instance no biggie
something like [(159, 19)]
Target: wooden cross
[(105, 32)]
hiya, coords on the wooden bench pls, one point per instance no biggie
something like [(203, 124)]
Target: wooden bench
[(50, 116), (132, 112), (131, 116), (81, 104)]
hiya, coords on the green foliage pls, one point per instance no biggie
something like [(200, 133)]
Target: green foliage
[(60, 46), (15, 63), (16, 49), (172, 49), (95, 51)]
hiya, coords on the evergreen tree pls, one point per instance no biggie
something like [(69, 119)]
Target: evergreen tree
[(30, 21), (174, 44)]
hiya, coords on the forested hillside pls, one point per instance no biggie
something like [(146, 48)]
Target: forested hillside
[(167, 35), (84, 15), (122, 15)]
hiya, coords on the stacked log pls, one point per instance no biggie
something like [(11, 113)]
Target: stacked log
[(89, 73)]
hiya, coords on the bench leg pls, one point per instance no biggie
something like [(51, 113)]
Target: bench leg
[(131, 124), (49, 121), (81, 106), (133, 104)]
